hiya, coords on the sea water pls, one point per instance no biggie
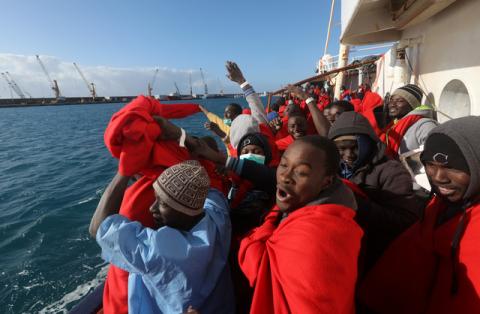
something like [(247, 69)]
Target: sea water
[(54, 167)]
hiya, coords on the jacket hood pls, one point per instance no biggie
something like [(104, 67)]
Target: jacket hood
[(339, 194), (424, 111), (353, 123), (465, 132), (264, 144)]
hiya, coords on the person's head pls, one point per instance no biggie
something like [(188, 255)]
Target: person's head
[(446, 167), (297, 126), (355, 139), (292, 109), (180, 192), (241, 126), (404, 100), (452, 159), (335, 109), (308, 166), (255, 147), (231, 112)]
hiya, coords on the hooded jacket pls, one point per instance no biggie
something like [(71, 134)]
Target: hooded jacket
[(392, 205), (434, 267)]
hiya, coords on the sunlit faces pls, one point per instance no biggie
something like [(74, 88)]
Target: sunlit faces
[(301, 176), (165, 215), (297, 126), (348, 150), (447, 182), (398, 107)]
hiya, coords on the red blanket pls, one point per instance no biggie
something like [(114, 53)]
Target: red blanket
[(394, 134), (307, 264), (415, 273), (132, 133), (132, 136), (282, 144)]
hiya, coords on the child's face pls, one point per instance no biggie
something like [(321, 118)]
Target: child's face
[(297, 126)]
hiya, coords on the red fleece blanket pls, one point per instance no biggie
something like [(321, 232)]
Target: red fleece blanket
[(415, 273), (394, 134), (132, 133), (282, 144), (306, 264), (132, 137)]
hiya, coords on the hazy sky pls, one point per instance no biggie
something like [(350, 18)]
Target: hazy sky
[(118, 44)]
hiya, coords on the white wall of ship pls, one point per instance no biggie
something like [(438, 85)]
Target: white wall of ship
[(443, 58)]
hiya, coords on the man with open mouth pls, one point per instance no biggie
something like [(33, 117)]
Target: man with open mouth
[(303, 259)]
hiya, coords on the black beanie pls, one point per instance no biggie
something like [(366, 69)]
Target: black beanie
[(442, 149)]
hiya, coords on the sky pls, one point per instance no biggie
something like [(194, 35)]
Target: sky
[(119, 44)]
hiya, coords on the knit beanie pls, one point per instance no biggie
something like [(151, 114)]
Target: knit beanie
[(442, 149), (242, 125), (272, 115), (184, 187), (412, 94)]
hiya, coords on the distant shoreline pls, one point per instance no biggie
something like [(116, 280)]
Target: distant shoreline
[(67, 101)]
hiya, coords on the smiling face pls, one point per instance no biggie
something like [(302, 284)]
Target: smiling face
[(447, 182), (398, 107), (348, 150), (297, 126), (301, 176)]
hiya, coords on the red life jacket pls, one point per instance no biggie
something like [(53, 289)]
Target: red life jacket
[(420, 273), (394, 134), (287, 266), (283, 143)]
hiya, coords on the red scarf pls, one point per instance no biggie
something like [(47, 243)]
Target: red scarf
[(296, 267), (394, 133), (416, 273)]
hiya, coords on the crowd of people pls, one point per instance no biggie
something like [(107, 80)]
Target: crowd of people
[(309, 207)]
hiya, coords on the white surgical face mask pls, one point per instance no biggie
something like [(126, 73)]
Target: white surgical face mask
[(259, 159)]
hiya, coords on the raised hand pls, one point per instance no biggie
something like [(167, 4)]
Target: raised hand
[(234, 73), (297, 91)]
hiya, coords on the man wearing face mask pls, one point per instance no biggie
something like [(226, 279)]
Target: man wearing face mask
[(434, 267)]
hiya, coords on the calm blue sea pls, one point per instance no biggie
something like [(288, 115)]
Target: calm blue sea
[(54, 168)]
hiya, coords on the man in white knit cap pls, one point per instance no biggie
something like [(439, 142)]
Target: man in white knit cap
[(182, 263)]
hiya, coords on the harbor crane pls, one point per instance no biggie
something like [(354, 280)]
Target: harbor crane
[(151, 83), (204, 84), (176, 87), (90, 86), (14, 86), (53, 83)]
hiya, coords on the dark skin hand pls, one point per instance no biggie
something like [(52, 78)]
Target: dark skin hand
[(109, 203), (234, 73), (322, 125), (214, 128)]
